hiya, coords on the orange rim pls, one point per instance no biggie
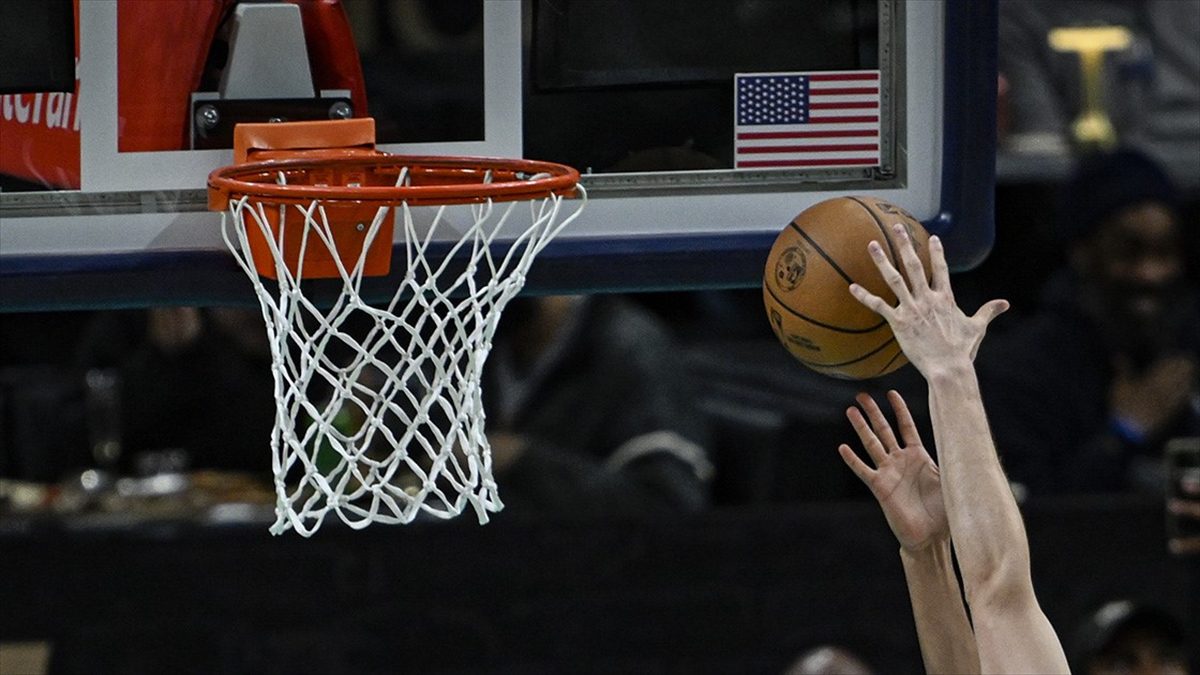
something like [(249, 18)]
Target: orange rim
[(430, 180)]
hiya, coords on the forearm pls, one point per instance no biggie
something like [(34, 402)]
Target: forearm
[(943, 630), (985, 524)]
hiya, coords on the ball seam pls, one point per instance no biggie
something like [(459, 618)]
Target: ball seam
[(838, 329), (879, 223)]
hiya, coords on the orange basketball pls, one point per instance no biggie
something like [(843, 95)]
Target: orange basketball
[(806, 285)]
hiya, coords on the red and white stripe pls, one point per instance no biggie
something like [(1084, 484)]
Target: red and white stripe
[(842, 131)]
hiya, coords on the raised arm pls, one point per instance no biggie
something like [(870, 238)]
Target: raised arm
[(908, 486), (1011, 631)]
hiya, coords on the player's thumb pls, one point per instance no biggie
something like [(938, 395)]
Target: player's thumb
[(991, 310), (983, 318)]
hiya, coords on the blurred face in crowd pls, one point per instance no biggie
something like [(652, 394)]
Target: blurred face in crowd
[(1137, 258), (1134, 262), (1139, 652)]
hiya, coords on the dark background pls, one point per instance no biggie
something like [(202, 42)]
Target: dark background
[(736, 591)]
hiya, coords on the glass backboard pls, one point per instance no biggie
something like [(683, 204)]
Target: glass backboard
[(102, 200)]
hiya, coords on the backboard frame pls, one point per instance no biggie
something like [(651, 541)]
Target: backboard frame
[(634, 259)]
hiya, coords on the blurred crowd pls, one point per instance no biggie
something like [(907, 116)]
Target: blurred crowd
[(678, 402)]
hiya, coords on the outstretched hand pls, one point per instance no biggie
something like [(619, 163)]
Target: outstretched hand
[(927, 323), (905, 480)]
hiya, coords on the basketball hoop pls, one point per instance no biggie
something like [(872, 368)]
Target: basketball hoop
[(379, 416)]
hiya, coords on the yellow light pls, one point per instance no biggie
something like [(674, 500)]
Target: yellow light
[(1090, 38), (1092, 128)]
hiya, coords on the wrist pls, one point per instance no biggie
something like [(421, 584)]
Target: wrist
[(951, 370), (929, 561), (931, 550)]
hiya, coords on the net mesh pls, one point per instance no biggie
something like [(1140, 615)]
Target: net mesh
[(379, 416)]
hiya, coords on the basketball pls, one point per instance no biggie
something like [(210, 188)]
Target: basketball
[(806, 285)]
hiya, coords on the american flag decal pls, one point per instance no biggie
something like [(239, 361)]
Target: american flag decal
[(806, 120)]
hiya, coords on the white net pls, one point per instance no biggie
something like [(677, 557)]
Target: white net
[(379, 416)]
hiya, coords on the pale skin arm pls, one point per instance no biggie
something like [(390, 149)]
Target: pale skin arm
[(943, 629), (1012, 633), (908, 486)]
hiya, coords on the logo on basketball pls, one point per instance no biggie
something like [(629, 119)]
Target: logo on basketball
[(888, 207), (790, 267), (777, 321), (907, 219), (801, 341)]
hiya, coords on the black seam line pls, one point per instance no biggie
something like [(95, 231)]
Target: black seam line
[(821, 252), (887, 365), (864, 357), (886, 238), (836, 329)]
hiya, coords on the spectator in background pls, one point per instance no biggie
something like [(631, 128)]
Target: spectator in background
[(590, 409), (589, 406), (191, 379), (1084, 395), (828, 660), (1152, 89), (1185, 510), (1183, 532), (1127, 637)]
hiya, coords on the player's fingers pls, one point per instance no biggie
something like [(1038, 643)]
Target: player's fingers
[(1185, 546), (871, 301), (879, 422), (888, 271), (1185, 507), (912, 264), (937, 261), (904, 419), (870, 441), (856, 464)]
